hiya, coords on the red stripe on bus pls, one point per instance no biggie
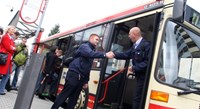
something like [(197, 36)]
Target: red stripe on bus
[(91, 102), (154, 106), (90, 105), (92, 97), (60, 87)]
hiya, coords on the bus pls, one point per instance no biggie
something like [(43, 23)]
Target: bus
[(173, 78)]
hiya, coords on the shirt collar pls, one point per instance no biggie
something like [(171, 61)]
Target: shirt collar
[(138, 42)]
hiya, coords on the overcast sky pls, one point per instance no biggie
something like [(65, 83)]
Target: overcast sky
[(69, 13)]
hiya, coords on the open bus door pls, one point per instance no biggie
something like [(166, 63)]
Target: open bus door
[(116, 90), (67, 42)]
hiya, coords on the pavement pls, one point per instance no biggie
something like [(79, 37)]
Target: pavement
[(8, 101)]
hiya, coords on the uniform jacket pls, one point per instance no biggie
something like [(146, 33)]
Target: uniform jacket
[(6, 46), (83, 62), (139, 56)]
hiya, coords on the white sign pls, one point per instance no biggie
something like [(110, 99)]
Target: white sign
[(30, 10)]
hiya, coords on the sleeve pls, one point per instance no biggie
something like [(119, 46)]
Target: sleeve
[(124, 55), (86, 51)]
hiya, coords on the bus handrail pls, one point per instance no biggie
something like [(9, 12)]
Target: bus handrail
[(106, 84)]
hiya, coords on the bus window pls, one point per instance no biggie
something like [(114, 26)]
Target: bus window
[(180, 57), (102, 31), (121, 43), (78, 37), (96, 30)]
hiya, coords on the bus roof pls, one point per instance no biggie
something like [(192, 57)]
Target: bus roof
[(107, 19)]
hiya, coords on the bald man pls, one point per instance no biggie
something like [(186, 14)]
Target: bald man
[(79, 72), (139, 54)]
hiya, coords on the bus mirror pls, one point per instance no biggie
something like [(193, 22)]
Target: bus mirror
[(178, 10)]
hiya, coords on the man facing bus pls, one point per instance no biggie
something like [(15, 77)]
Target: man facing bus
[(79, 72), (139, 54)]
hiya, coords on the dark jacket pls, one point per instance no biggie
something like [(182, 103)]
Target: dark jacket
[(50, 57), (83, 63), (139, 56)]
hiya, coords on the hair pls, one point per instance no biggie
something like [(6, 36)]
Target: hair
[(10, 26), (24, 38), (17, 33), (53, 48), (93, 34), (1, 30)]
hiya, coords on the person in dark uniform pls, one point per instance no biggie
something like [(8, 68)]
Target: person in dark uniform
[(79, 72), (139, 54)]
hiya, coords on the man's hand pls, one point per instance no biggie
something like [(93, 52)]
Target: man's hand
[(85, 86), (110, 54), (130, 71)]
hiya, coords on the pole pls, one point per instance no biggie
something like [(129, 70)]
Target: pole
[(31, 73), (29, 80), (39, 25)]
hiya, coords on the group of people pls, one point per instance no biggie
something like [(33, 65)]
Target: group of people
[(17, 56), (79, 69)]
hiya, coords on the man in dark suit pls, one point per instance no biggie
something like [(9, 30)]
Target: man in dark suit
[(139, 55), (79, 72)]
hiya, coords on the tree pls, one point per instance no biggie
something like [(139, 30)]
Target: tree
[(55, 30)]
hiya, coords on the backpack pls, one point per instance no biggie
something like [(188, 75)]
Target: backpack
[(20, 57), (70, 55)]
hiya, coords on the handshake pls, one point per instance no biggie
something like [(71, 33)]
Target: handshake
[(110, 54)]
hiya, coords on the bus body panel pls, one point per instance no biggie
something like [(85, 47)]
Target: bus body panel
[(94, 81)]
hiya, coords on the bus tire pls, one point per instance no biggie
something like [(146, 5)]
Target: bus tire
[(83, 99)]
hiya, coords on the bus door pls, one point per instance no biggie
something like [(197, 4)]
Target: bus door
[(65, 44), (117, 88)]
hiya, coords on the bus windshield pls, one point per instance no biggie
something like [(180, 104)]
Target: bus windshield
[(180, 57)]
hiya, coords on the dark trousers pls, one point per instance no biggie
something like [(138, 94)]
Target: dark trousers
[(139, 89), (72, 88)]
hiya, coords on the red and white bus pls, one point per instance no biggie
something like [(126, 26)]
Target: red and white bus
[(173, 78)]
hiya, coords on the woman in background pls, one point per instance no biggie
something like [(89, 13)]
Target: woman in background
[(7, 46)]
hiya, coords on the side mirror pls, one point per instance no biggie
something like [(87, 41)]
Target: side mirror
[(178, 10)]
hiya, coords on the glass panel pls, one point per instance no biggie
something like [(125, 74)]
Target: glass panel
[(192, 13), (96, 30), (78, 37), (121, 43), (180, 57), (102, 31), (192, 16)]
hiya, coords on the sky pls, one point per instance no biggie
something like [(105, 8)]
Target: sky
[(69, 13)]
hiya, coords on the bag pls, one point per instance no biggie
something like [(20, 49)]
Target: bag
[(70, 55), (20, 58), (3, 58)]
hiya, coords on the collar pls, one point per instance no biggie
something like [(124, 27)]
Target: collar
[(138, 42), (92, 46)]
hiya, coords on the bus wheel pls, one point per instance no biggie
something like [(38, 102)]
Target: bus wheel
[(82, 100)]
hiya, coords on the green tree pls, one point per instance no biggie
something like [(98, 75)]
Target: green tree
[(55, 30)]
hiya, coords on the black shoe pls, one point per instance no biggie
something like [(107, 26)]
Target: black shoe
[(2, 93), (14, 88), (8, 89), (41, 97)]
